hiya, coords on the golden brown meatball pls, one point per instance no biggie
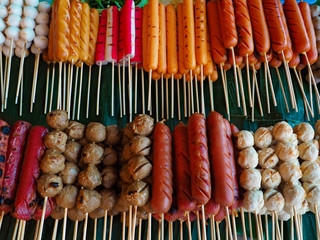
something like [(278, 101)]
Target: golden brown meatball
[(109, 176), (304, 131), (308, 151), (253, 200), (125, 175), (83, 141), (90, 177), (70, 173), (49, 185), (108, 199), (140, 145), (75, 130), (73, 151), (88, 200), (273, 200), (57, 213), (98, 213), (142, 125), (287, 151), (92, 153), (267, 158), (56, 140), (113, 135), (74, 214), (139, 168), (110, 156), (67, 197), (248, 158), (137, 193), (290, 171), (52, 162), (58, 119), (95, 132)]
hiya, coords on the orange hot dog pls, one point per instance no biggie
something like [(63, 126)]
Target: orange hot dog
[(62, 31), (301, 66), (162, 60), (172, 51), (75, 20), (155, 75), (153, 43), (238, 58), (214, 75), (275, 61), (262, 58), (227, 66), (182, 68), (94, 27), (196, 71), (209, 67), (51, 43), (188, 35), (295, 60), (178, 76), (288, 53), (145, 39), (84, 33), (201, 32)]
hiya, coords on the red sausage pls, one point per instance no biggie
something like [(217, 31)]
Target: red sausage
[(174, 213), (275, 62), (4, 139), (221, 169), (295, 60), (161, 198), (269, 54), (26, 198), (199, 159), (288, 52), (211, 208), (182, 170), (16, 147), (51, 204), (238, 58)]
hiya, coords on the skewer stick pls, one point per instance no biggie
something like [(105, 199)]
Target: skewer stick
[(69, 87), (171, 230), (59, 102), (273, 227), (34, 82), (23, 229), (47, 92), (281, 229), (211, 93), (292, 227), (270, 81), (75, 93), (296, 220), (88, 92), (64, 85), (1, 78), (55, 228), (202, 92), (277, 225), (248, 80), (225, 89), (149, 227), (172, 95), (95, 229), (64, 228), (213, 228), (289, 80), (8, 71), (257, 90), (130, 221), (42, 218), (124, 87), (105, 222), (204, 230), (181, 229), (110, 227), (242, 92), (304, 101), (312, 77), (257, 225), (98, 89), (189, 98), (85, 227), (260, 225), (228, 222), (159, 230), (243, 221), (162, 97), (75, 230), (227, 232), (139, 231), (282, 89), (234, 226), (167, 97), (253, 95), (123, 225), (185, 96), (267, 88), (135, 209), (21, 98), (157, 102), (142, 86), (5, 83), (149, 91), (198, 226), (266, 226), (162, 226), (235, 76), (178, 97), (197, 93), (310, 90), (112, 87), (218, 230), (20, 230), (317, 220), (130, 89), (250, 225), (120, 94), (16, 229), (80, 92), (189, 226), (191, 92), (135, 88)]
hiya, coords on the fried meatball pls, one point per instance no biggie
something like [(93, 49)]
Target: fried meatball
[(98, 213), (88, 200), (67, 197), (125, 174), (109, 176), (139, 168), (73, 151), (313, 192), (113, 135), (83, 141), (110, 156), (142, 214), (108, 199), (137, 193), (304, 131), (282, 131), (270, 178), (142, 125), (140, 145), (310, 171), (287, 151), (253, 200), (308, 151), (267, 158), (74, 214), (58, 119), (56, 140), (90, 177), (92, 153), (250, 179), (57, 213), (95, 132), (263, 137), (290, 171), (75, 130), (52, 162), (273, 200), (248, 158), (121, 205), (49, 185), (294, 194), (244, 139), (70, 173)]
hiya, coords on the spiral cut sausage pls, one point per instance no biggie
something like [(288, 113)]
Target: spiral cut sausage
[(84, 33), (75, 20), (172, 50), (201, 32), (94, 27), (4, 140), (62, 31), (189, 35)]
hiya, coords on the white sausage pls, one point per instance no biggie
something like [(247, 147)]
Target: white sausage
[(27, 22), (12, 32), (15, 9), (43, 18), (44, 7), (27, 34), (3, 12), (29, 11), (13, 20)]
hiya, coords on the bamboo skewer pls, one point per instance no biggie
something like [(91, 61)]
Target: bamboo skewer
[(112, 88), (304, 100), (225, 89), (228, 222), (110, 227), (289, 80), (191, 93), (142, 86), (234, 226), (211, 93), (162, 97), (55, 229), (185, 96), (162, 226), (149, 91), (202, 92), (64, 228), (181, 229), (15, 229), (198, 225), (248, 79), (292, 227), (95, 229), (2, 78), (282, 89), (139, 231), (167, 97), (250, 225), (105, 222), (235, 76), (135, 209), (52, 87), (34, 82), (170, 230), (120, 94), (197, 92), (213, 228), (242, 92), (59, 100), (135, 88), (20, 229), (130, 89), (178, 98), (218, 231), (172, 96), (88, 92), (64, 86), (80, 92), (21, 98), (296, 220), (266, 227), (124, 88), (75, 230), (267, 88), (149, 227), (42, 218), (270, 80), (8, 71), (47, 91), (258, 94), (85, 227), (189, 98), (130, 222), (157, 102), (257, 225), (75, 93), (243, 219)]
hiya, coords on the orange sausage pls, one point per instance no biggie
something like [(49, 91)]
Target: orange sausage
[(252, 59), (228, 23), (312, 54), (75, 19), (196, 71), (227, 66), (301, 66), (162, 60), (94, 27), (262, 58), (145, 39), (298, 32), (219, 53), (245, 38), (167, 75), (155, 75), (214, 75), (288, 53), (178, 76), (238, 58), (84, 33), (188, 35), (172, 51), (201, 32), (209, 67), (275, 62), (295, 60), (153, 43), (182, 68), (62, 30)]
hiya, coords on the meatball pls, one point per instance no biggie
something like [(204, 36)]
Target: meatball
[(49, 185), (250, 179), (121, 205), (90, 177), (98, 213), (74, 214), (125, 175), (267, 158), (113, 135), (304, 131), (58, 119), (113, 212), (270, 178), (56, 140), (310, 171), (70, 173), (283, 216), (290, 171), (92, 153), (313, 192), (57, 213), (137, 193), (52, 162), (72, 152), (109, 176), (273, 200), (95, 132), (88, 200), (282, 131), (294, 194), (75, 130), (253, 200), (67, 197), (110, 156), (317, 127), (244, 139), (142, 214), (139, 168), (287, 151), (140, 145), (83, 141), (308, 151), (248, 158), (108, 199), (263, 137), (142, 125)]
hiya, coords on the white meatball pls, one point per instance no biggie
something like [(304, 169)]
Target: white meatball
[(316, 22), (308, 151), (21, 44), (270, 178), (2, 25), (3, 12), (35, 50), (2, 39), (310, 171), (244, 139), (19, 51), (248, 158), (27, 34), (41, 42), (29, 11), (4, 2), (12, 32), (267, 158), (6, 51), (42, 30), (293, 139), (313, 192), (290, 171), (27, 22), (43, 18), (283, 216), (301, 208), (250, 179), (44, 7), (294, 194), (304, 132), (273, 200), (13, 20), (315, 10), (8, 43), (263, 137), (17, 2), (282, 131), (33, 3), (253, 200), (287, 151), (15, 9)]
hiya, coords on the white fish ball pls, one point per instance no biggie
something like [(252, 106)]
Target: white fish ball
[(33, 3), (3, 12), (19, 51), (43, 18), (27, 22), (15, 9), (42, 30), (27, 34), (2, 39), (6, 51), (4, 2), (13, 20), (2, 25), (12, 32), (35, 50), (22, 44), (29, 11), (17, 2), (8, 43), (41, 42), (44, 7)]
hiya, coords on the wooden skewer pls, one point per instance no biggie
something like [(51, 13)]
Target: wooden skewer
[(85, 227), (304, 100), (23, 229), (191, 92), (248, 79), (139, 231), (21, 98), (136, 89), (170, 230), (157, 102), (273, 227), (281, 229), (162, 226), (250, 225), (55, 229), (234, 226), (110, 227), (16, 229), (227, 232), (59, 101), (134, 220), (310, 90), (98, 89), (8, 71), (253, 95), (277, 225), (112, 88), (142, 86), (159, 230), (149, 91), (20, 229), (243, 220), (202, 92), (270, 81), (64, 228), (242, 92), (2, 78), (301, 227), (292, 227), (167, 97), (218, 230), (162, 97), (64, 85), (185, 96), (123, 225), (189, 98), (266, 226), (189, 225), (228, 222), (124, 87), (178, 97), (130, 89), (47, 91), (289, 80), (4, 83), (260, 225), (88, 91), (258, 92), (120, 94), (204, 230), (211, 93), (296, 220), (317, 220), (105, 222), (282, 89), (75, 93), (34, 82), (42, 218), (225, 89), (257, 225), (172, 95), (213, 228), (235, 76), (181, 229), (197, 93), (95, 229), (266, 87), (130, 222), (198, 226), (80, 92), (149, 227), (75, 230)]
